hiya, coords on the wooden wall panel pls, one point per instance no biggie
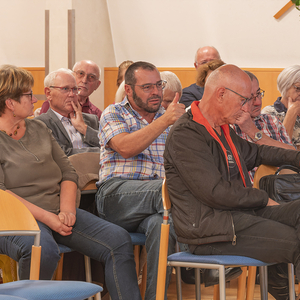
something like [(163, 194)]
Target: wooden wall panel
[(38, 74), (267, 78)]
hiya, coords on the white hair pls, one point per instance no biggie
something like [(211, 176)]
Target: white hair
[(288, 77), (173, 82), (50, 78)]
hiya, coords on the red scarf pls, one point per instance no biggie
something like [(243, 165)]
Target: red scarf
[(199, 118)]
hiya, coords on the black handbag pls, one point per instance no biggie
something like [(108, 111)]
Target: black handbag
[(284, 187)]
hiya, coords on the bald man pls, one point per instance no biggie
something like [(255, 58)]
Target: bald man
[(215, 209), (195, 92), (87, 75)]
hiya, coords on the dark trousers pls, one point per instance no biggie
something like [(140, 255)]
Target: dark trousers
[(270, 234)]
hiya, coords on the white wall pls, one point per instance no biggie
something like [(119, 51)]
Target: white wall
[(164, 32), (169, 32), (22, 27)]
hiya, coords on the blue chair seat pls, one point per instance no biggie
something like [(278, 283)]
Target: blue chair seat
[(228, 260), (50, 290)]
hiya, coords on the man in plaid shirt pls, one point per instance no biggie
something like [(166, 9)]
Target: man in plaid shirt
[(268, 130), (262, 129), (132, 140)]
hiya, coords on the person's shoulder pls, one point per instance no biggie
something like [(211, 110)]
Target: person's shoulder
[(35, 123), (268, 110), (88, 116)]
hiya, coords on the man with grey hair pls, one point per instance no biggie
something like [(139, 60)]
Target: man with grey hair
[(76, 132), (195, 92), (172, 86), (87, 74)]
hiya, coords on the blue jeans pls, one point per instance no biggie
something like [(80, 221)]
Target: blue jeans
[(92, 236), (136, 206)]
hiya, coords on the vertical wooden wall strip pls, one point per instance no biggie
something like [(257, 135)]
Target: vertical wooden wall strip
[(71, 38), (47, 41)]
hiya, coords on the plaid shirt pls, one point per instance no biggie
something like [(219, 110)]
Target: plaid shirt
[(269, 125), (149, 164)]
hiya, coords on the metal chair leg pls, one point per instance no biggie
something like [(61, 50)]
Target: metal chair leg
[(263, 276), (178, 283), (222, 282), (291, 281), (198, 284)]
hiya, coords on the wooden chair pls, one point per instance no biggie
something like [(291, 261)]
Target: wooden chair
[(16, 219), (186, 259)]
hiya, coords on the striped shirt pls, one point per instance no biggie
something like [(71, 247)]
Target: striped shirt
[(271, 126), (149, 164)]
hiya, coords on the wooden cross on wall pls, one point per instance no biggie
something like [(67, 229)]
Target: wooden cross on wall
[(283, 10)]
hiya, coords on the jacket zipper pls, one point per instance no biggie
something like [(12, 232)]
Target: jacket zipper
[(234, 235), (36, 158)]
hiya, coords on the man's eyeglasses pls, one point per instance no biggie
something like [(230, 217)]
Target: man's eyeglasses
[(246, 99), (29, 94), (90, 77), (66, 90), (148, 87), (259, 94)]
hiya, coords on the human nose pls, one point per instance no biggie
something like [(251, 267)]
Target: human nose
[(34, 99)]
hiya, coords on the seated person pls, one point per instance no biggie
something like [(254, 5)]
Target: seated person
[(120, 93), (75, 132), (36, 171), (215, 209), (194, 91), (132, 138), (287, 107), (262, 129), (172, 86), (121, 71), (87, 75)]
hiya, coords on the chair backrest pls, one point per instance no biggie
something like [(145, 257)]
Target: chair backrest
[(165, 196), (16, 219), (164, 243), (262, 170)]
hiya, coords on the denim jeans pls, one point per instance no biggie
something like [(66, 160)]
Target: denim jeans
[(92, 236), (136, 206), (271, 234)]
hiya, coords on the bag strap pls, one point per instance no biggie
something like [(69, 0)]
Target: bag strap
[(295, 169)]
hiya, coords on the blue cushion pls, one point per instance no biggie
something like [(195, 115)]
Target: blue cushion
[(7, 297), (50, 290), (217, 259), (137, 238)]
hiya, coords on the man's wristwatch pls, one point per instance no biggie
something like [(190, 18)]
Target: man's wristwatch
[(258, 135)]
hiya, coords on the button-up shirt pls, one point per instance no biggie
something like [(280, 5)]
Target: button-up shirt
[(74, 135), (270, 126), (149, 164)]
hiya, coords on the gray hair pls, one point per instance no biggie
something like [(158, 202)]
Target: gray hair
[(173, 82), (251, 75), (50, 78), (287, 78)]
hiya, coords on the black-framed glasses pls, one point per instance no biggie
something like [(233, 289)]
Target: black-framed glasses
[(259, 94), (90, 77), (148, 87), (28, 94), (246, 99), (66, 90), (297, 88)]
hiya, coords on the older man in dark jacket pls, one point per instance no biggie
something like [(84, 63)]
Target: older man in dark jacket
[(215, 209)]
